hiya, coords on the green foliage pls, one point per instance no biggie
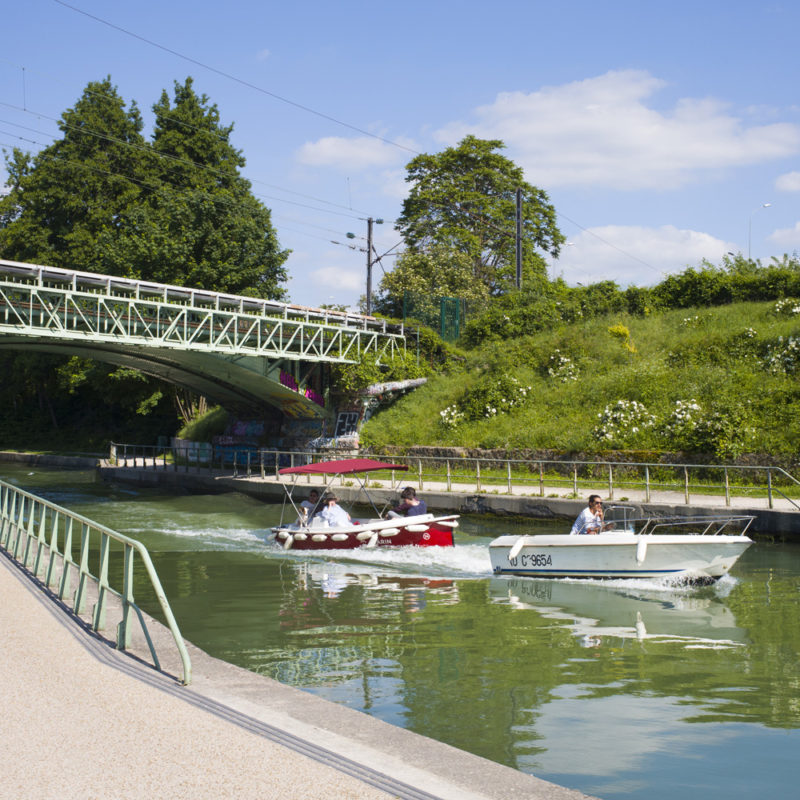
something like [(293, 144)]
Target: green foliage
[(350, 378), (463, 200), (102, 199), (204, 428), (702, 383)]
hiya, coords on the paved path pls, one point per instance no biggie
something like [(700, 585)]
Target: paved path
[(79, 719)]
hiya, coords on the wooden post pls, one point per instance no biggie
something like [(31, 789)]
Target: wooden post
[(646, 484), (508, 470), (686, 484), (727, 489), (610, 483)]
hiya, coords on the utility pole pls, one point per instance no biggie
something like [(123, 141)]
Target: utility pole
[(370, 260), (369, 266), (519, 238)]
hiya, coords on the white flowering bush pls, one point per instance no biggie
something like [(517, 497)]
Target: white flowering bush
[(450, 417), (787, 307), (721, 431), (691, 322), (622, 421), (492, 396), (680, 424), (784, 356), (562, 367)]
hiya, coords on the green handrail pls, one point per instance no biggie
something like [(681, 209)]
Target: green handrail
[(31, 529)]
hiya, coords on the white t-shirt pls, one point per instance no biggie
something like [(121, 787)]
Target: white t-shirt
[(586, 521), (335, 516)]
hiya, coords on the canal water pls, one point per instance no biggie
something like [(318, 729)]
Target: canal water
[(622, 689)]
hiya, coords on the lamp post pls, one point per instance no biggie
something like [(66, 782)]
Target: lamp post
[(750, 226), (370, 260)]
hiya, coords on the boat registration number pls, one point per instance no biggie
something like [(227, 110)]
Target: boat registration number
[(532, 560)]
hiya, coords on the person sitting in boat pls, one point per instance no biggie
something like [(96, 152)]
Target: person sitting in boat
[(590, 520), (309, 507), (333, 513), (411, 505)]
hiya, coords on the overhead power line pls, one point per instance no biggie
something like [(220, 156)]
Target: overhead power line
[(227, 75)]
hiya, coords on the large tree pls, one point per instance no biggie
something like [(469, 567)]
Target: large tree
[(464, 199), (75, 190), (420, 279), (203, 227), (103, 199)]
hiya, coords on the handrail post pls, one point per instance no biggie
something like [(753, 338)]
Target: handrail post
[(508, 470), (449, 481), (541, 479), (769, 486), (477, 474), (123, 627), (727, 489), (686, 484), (610, 482), (646, 483), (575, 479), (419, 471)]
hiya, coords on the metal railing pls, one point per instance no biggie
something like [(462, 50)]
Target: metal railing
[(492, 475), (57, 545)]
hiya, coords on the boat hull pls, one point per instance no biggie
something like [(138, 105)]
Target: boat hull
[(420, 531), (618, 555)]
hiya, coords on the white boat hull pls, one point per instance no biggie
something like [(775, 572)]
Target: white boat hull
[(618, 555)]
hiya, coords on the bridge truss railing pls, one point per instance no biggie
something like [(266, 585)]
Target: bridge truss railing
[(66, 304), (58, 547), (531, 477)]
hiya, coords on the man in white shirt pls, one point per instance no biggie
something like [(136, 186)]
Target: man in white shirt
[(332, 513), (309, 507), (590, 520)]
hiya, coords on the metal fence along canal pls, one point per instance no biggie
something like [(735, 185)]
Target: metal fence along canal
[(56, 545)]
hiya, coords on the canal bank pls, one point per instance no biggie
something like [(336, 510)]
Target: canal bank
[(781, 522)]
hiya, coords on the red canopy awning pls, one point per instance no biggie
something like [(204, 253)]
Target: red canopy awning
[(346, 466)]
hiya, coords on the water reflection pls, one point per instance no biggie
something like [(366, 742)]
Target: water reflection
[(596, 610), (597, 685)]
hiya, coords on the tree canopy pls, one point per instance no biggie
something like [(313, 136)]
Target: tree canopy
[(464, 199), (173, 210), (101, 198)]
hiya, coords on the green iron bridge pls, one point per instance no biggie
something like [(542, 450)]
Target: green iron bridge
[(235, 350)]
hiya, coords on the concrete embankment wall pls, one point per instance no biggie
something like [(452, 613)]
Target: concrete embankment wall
[(769, 523), (50, 460), (782, 524)]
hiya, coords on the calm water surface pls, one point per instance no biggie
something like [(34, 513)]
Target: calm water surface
[(621, 689)]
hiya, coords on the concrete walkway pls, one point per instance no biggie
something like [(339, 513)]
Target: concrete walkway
[(83, 720)]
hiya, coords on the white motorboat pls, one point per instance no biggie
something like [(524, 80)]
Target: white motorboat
[(700, 549), (305, 532)]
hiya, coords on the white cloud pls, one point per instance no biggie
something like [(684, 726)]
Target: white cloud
[(358, 153), (786, 237), (339, 278), (637, 255), (789, 182), (604, 131)]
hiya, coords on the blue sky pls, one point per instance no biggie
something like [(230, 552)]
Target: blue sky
[(659, 130)]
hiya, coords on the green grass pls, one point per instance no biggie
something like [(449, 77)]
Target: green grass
[(714, 360)]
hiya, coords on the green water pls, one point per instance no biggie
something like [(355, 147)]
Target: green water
[(620, 689)]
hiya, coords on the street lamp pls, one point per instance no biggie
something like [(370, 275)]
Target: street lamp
[(750, 226), (370, 260)]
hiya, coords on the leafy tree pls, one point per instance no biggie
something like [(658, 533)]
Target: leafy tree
[(102, 199), (464, 199), (427, 276), (203, 227), (74, 191)]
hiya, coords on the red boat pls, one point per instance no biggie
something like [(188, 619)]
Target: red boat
[(312, 532)]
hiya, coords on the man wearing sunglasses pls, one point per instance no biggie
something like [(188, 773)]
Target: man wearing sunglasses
[(590, 520)]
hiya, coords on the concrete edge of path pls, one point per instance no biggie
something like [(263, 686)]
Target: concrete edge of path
[(397, 761)]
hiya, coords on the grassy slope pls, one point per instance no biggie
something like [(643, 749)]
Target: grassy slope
[(712, 359)]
